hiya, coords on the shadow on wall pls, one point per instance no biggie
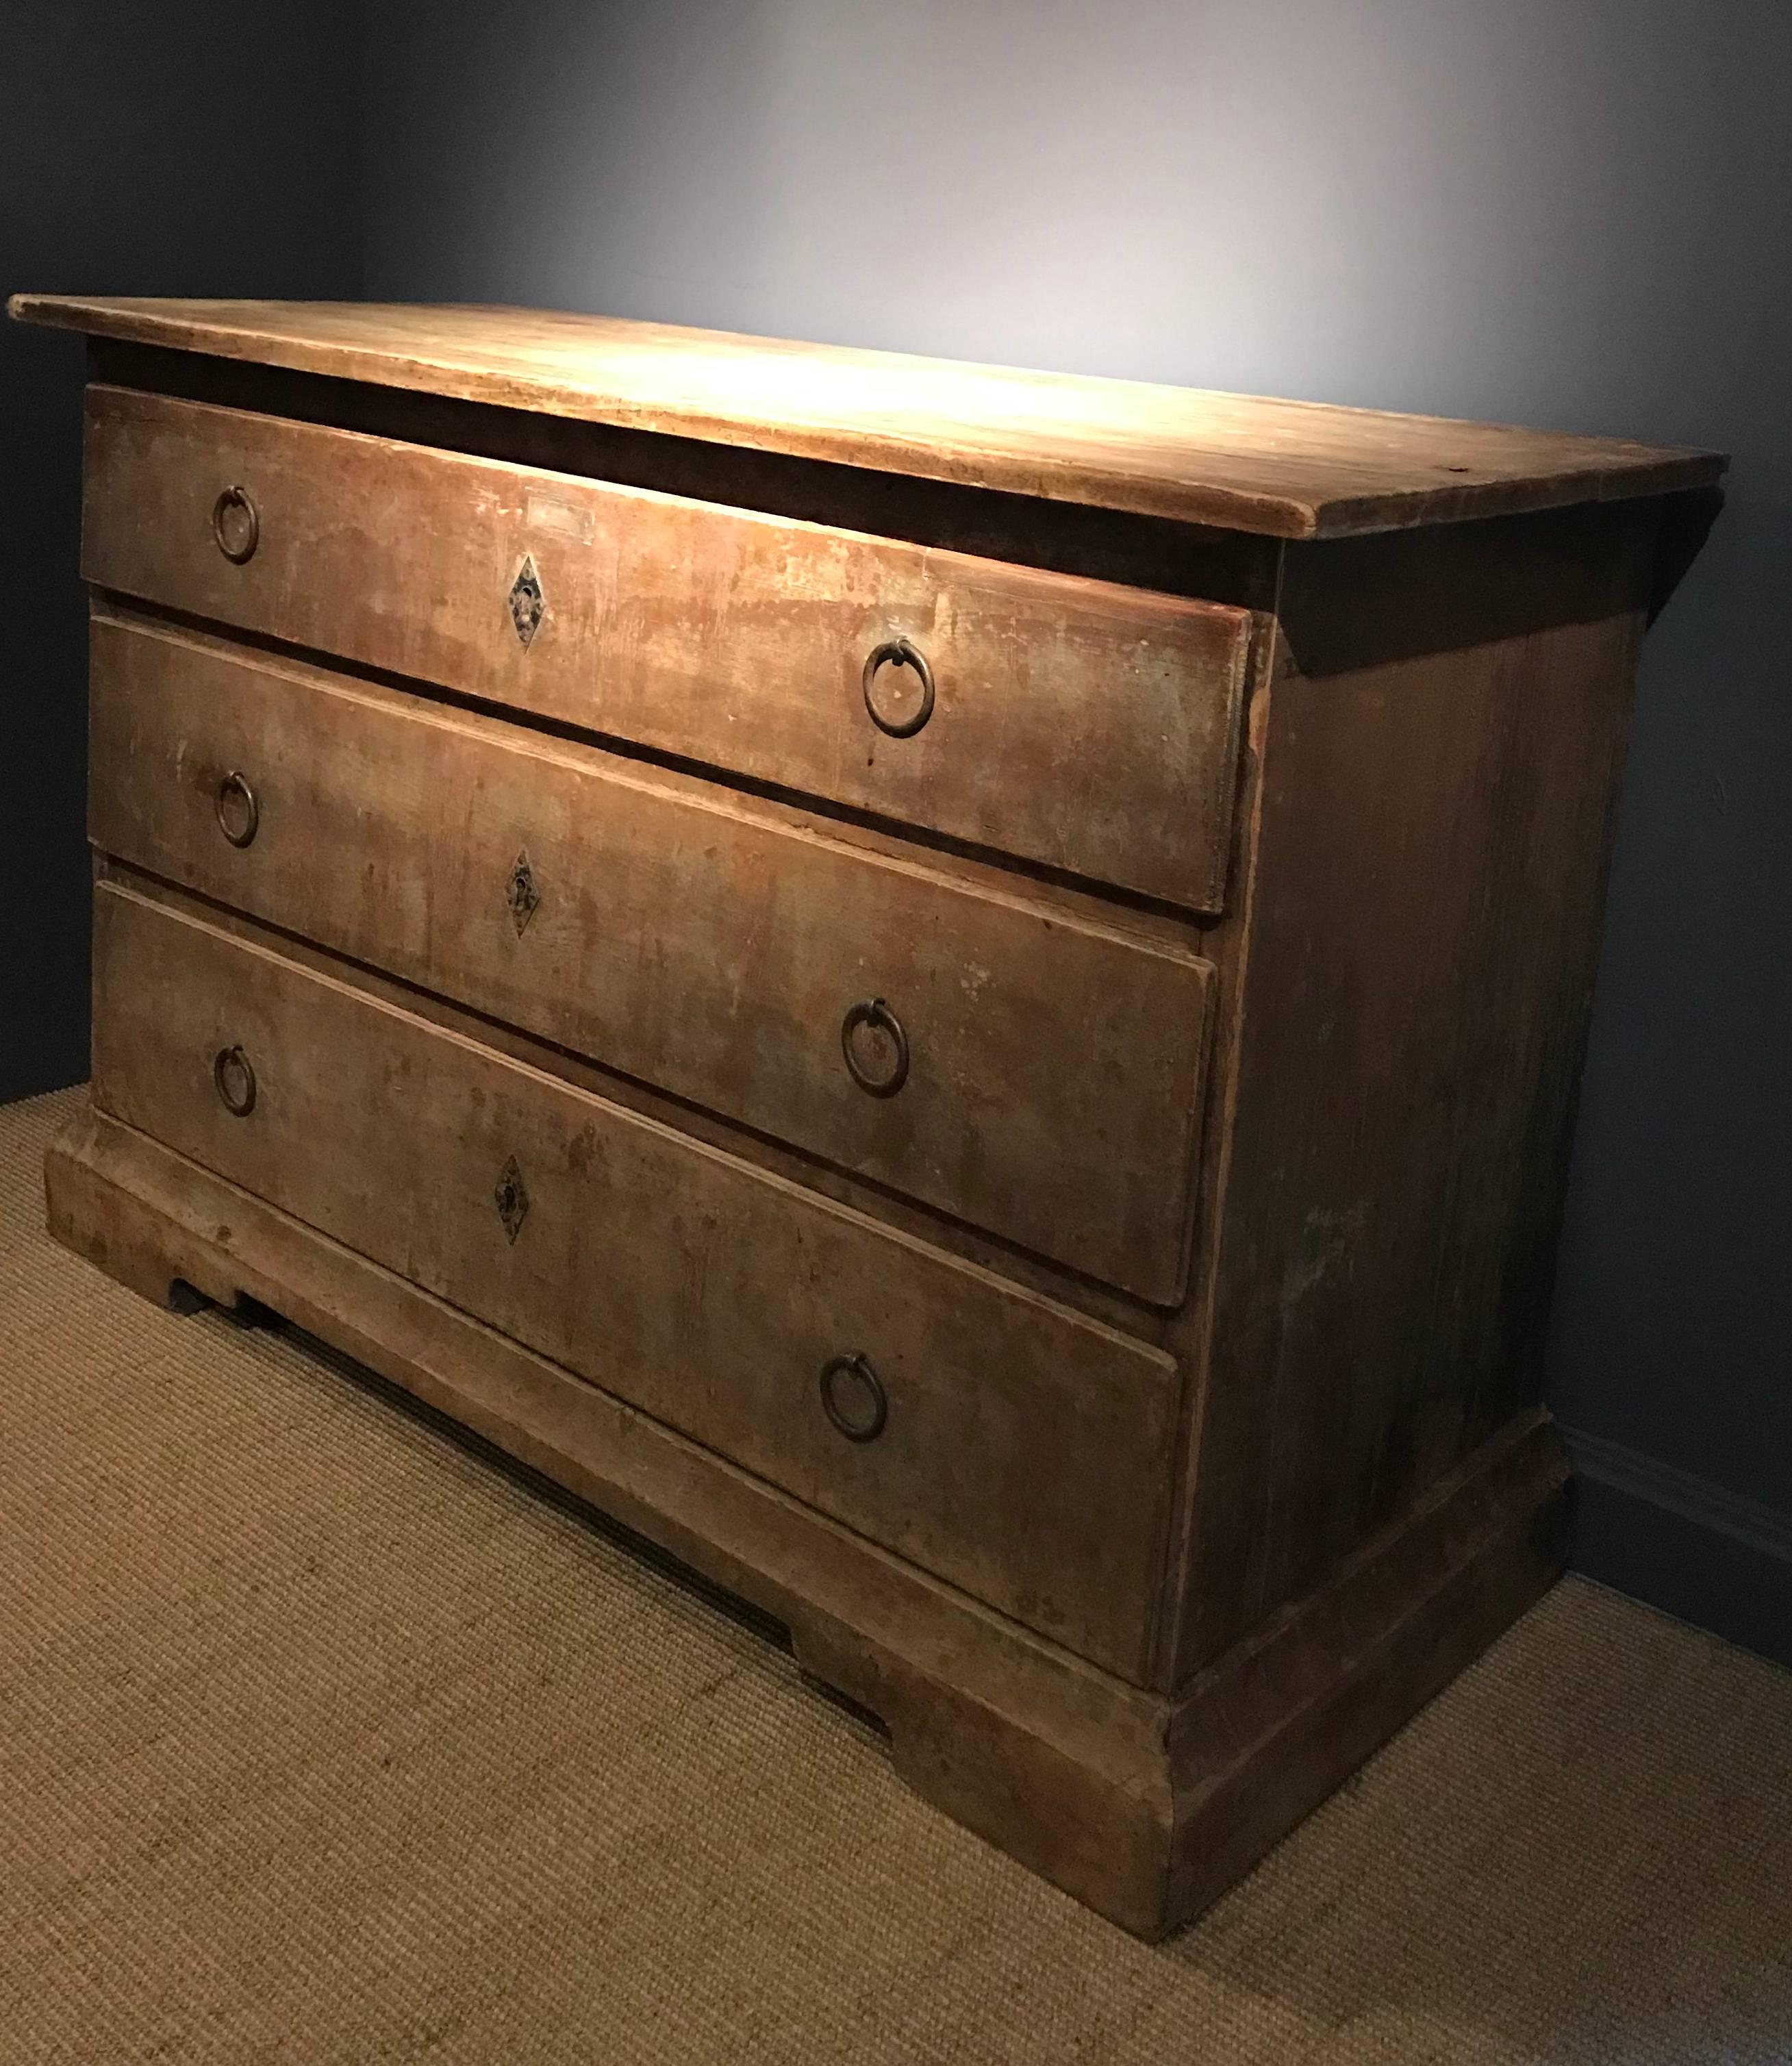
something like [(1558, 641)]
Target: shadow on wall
[(206, 149), (1683, 1176), (1673, 1305), (44, 855)]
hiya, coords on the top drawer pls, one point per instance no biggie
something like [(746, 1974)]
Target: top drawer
[(1081, 724)]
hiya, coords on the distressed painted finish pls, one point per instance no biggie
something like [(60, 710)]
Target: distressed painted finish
[(1054, 1087), (1292, 469), (1270, 858), (1378, 1280), (1087, 726), (1026, 1454)]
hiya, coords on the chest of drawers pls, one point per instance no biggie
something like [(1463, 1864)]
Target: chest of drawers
[(955, 994)]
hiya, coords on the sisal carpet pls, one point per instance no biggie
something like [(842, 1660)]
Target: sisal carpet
[(323, 1739)]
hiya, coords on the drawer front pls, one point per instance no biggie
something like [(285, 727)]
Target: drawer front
[(1024, 1450), (1078, 723), (1052, 1093)]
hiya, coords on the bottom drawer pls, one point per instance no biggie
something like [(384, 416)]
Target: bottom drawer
[(1018, 1449)]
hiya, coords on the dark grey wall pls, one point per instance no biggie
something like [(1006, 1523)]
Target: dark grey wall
[(205, 148), (1547, 211)]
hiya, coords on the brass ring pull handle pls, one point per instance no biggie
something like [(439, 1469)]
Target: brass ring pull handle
[(872, 1012), (235, 524), (235, 1081), (861, 1418), (239, 816), (905, 653)]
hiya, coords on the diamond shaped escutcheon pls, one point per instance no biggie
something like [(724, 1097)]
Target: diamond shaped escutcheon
[(512, 1198), (528, 605), (521, 892)]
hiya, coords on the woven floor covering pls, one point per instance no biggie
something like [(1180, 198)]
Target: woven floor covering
[(323, 1737)]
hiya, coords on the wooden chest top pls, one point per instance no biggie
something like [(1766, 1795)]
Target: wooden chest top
[(1239, 462)]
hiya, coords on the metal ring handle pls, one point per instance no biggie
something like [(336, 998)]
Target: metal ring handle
[(874, 1012), (236, 1096), (909, 654), (235, 498), (868, 1425), (236, 785)]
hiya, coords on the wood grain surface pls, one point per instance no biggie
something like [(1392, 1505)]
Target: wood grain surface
[(1025, 1456), (1086, 726), (1053, 1089), (1412, 1015), (1293, 469)]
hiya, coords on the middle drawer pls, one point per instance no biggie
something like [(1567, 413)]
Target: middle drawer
[(1034, 1075)]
